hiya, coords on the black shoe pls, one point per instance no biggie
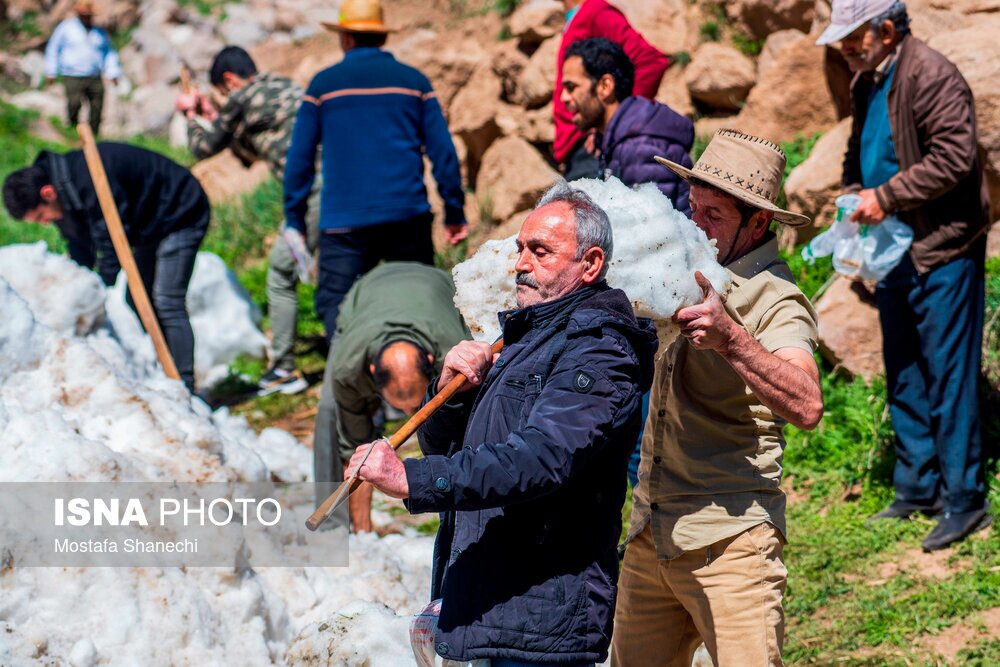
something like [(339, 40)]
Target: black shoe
[(955, 527), (903, 509), (280, 380)]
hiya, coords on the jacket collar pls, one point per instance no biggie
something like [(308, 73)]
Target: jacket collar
[(516, 323), (757, 260), (56, 166)]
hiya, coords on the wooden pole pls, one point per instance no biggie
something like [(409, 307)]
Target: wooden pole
[(337, 498), (124, 251)]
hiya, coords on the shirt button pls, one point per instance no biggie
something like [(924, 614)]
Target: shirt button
[(656, 460), (443, 648), (654, 506), (441, 484), (501, 363), (661, 413)]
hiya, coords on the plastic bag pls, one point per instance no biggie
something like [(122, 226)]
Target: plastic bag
[(304, 264), (867, 252), (422, 631)]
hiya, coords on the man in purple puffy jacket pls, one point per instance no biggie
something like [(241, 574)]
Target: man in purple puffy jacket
[(597, 83)]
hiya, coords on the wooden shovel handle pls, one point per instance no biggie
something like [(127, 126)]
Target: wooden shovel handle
[(125, 258), (327, 508)]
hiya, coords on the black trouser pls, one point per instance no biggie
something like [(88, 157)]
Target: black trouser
[(346, 256), (80, 88), (166, 269)]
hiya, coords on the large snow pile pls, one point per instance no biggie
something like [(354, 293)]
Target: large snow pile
[(75, 404), (656, 253), (224, 320)]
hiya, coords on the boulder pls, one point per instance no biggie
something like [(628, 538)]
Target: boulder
[(663, 23), (976, 52), (533, 125), (792, 96), (472, 115), (773, 45), (719, 76), (508, 62), (814, 184), (224, 177), (760, 18), (449, 61), (706, 126), (674, 92), (48, 102), (535, 21), (30, 66), (537, 81), (512, 177), (850, 335)]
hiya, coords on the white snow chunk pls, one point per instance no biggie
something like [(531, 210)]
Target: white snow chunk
[(657, 251)]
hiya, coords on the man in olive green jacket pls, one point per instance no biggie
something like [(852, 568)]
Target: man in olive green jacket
[(395, 325)]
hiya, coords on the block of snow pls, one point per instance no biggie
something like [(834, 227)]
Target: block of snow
[(657, 251)]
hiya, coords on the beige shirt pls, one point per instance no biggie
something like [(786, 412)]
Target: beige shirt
[(711, 452)]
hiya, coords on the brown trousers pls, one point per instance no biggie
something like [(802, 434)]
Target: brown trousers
[(727, 595), (89, 88)]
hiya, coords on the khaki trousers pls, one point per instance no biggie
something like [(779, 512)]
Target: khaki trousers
[(727, 595)]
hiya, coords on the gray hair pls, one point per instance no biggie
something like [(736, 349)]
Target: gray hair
[(593, 228), (899, 17)]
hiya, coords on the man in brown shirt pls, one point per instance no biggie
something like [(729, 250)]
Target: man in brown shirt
[(913, 154), (704, 558)]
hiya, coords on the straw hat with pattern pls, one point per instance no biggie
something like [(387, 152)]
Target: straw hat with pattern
[(360, 16), (747, 167)]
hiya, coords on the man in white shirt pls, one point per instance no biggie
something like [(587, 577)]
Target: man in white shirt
[(81, 53)]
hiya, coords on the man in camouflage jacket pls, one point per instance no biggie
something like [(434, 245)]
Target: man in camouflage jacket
[(255, 123)]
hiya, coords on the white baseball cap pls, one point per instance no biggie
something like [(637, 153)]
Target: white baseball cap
[(846, 16)]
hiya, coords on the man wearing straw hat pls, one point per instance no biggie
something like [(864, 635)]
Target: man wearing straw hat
[(704, 558), (81, 53), (913, 153), (375, 118)]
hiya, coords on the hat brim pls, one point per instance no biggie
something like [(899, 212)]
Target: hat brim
[(371, 29), (838, 31), (780, 214)]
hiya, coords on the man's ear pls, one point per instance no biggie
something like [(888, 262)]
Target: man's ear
[(371, 369), (593, 263), (231, 81), (430, 359), (48, 193), (887, 32), (760, 222), (606, 88)]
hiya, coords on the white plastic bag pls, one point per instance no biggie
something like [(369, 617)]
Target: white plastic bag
[(305, 267), (868, 252)]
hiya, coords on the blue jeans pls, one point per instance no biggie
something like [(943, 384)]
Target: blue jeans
[(346, 256), (932, 328), (633, 461)]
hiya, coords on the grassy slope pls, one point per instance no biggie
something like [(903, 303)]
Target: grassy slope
[(845, 603)]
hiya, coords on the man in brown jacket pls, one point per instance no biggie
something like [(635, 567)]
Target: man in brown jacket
[(913, 154)]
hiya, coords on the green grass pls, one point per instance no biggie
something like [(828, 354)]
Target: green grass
[(710, 31), (747, 45)]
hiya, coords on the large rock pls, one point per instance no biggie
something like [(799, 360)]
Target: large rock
[(537, 81), (760, 18), (976, 52), (48, 102), (773, 46), (674, 92), (814, 184), (663, 23), (224, 177), (536, 20), (512, 177), (533, 125), (850, 335), (792, 96), (719, 76), (508, 62), (447, 60), (473, 113)]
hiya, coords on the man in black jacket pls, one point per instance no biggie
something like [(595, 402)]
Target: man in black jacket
[(528, 464), (164, 211)]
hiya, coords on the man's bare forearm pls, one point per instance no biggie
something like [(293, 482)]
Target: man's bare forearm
[(787, 390)]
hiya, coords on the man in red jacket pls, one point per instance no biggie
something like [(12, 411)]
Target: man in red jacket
[(597, 18)]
